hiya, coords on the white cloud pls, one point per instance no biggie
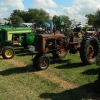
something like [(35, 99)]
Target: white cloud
[(4, 9), (7, 6), (53, 12), (44, 4), (13, 3), (85, 7), (77, 11), (71, 10)]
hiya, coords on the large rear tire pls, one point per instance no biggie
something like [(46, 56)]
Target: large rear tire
[(89, 50)]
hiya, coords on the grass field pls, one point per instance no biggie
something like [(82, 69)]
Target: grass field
[(65, 79)]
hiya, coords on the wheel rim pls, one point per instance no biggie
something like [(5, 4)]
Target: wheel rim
[(44, 63), (91, 53), (8, 53)]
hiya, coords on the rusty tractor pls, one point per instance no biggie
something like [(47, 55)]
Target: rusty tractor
[(59, 45)]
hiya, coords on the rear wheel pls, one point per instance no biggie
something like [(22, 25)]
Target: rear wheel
[(8, 52), (62, 52), (89, 50)]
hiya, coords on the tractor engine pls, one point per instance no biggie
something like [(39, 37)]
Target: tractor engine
[(49, 42), (49, 45), (17, 38), (23, 39), (56, 43)]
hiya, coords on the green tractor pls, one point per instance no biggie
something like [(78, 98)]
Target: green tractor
[(10, 37)]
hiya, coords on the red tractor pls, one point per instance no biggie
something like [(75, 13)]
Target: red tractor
[(59, 45)]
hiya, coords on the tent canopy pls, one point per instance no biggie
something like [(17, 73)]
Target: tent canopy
[(47, 24)]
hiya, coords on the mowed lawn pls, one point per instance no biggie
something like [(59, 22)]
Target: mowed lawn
[(65, 79)]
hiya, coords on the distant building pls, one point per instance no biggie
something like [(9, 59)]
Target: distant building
[(3, 21)]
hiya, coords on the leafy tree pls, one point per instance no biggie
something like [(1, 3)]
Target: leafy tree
[(61, 20), (66, 20), (94, 19), (55, 20), (97, 18), (38, 16), (90, 18), (21, 14), (16, 20)]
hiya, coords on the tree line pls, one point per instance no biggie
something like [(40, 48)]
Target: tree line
[(94, 19), (40, 16), (37, 16)]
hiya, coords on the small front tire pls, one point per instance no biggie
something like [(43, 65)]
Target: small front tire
[(8, 52), (41, 62)]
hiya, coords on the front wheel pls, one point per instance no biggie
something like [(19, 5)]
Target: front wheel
[(8, 52), (41, 62)]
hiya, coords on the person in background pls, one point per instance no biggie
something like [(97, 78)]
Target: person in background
[(95, 34), (98, 32)]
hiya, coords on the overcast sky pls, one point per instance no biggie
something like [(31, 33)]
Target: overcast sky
[(74, 9)]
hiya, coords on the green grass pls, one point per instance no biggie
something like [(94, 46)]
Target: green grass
[(22, 83), (18, 84), (71, 69)]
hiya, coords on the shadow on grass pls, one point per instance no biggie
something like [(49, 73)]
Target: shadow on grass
[(70, 65), (92, 71), (86, 92), (17, 70), (23, 52), (59, 61), (66, 63)]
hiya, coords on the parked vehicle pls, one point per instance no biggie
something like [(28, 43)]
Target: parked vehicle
[(14, 36), (59, 45)]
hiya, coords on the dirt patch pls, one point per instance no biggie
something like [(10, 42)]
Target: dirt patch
[(16, 63), (64, 84)]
